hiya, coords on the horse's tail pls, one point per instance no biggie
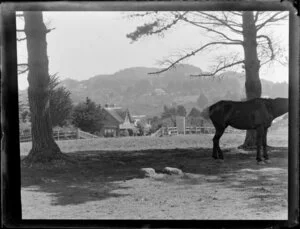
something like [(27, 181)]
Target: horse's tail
[(205, 113)]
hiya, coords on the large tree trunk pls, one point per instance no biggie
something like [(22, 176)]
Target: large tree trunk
[(252, 65), (44, 148)]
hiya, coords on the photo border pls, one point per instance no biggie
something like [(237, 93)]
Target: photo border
[(10, 147)]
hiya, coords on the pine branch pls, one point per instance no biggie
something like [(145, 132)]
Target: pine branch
[(21, 39), (141, 14), (22, 71), (23, 65), (212, 30), (173, 63), (218, 69), (49, 30), (267, 56), (271, 19), (148, 29), (270, 45), (256, 16), (237, 13), (211, 21), (223, 22), (231, 22)]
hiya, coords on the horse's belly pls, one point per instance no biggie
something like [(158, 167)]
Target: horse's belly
[(242, 122), (249, 121), (245, 126)]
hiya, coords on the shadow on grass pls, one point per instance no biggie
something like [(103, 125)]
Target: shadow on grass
[(265, 184), (97, 174)]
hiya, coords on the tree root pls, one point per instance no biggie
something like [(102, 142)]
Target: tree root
[(247, 147), (42, 160), (252, 147)]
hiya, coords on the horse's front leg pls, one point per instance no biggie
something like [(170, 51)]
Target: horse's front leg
[(265, 152), (217, 152), (259, 136), (215, 147)]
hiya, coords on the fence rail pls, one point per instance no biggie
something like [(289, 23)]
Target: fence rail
[(59, 135), (86, 135), (190, 130)]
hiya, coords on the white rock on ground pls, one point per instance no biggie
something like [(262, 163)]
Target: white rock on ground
[(148, 172), (172, 171)]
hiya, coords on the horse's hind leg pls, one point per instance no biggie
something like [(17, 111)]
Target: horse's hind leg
[(264, 143), (217, 152), (259, 137)]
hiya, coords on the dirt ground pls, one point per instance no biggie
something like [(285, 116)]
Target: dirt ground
[(110, 185)]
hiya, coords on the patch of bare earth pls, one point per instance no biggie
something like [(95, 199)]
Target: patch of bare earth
[(110, 185)]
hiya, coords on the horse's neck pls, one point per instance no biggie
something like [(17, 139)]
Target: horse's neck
[(278, 109), (277, 114)]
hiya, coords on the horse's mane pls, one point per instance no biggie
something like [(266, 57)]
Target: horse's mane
[(205, 113)]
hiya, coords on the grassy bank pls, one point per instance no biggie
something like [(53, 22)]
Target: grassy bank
[(146, 142)]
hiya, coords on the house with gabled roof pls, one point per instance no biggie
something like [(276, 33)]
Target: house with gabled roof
[(117, 122)]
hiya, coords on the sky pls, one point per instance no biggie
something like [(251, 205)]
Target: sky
[(85, 44)]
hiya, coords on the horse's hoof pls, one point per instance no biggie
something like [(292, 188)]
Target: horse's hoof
[(268, 161), (261, 163)]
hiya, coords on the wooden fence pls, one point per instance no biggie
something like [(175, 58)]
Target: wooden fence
[(59, 135), (190, 130)]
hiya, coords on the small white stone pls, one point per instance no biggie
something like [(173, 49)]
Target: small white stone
[(148, 172), (172, 171)]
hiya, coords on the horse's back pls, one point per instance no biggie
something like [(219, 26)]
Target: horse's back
[(240, 114)]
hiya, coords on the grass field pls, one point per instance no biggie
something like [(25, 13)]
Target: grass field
[(278, 138), (106, 182)]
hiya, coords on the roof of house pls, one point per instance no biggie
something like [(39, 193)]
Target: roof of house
[(118, 113)]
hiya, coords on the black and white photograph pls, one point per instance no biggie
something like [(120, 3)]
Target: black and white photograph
[(153, 115)]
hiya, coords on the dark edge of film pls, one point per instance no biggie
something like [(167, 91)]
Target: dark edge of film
[(11, 215), (294, 113)]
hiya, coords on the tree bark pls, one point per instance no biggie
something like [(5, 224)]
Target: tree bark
[(252, 65), (44, 148)]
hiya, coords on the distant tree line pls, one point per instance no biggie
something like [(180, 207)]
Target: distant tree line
[(85, 115)]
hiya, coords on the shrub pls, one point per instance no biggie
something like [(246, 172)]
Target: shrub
[(88, 116)]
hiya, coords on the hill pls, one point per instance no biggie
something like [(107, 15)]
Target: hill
[(147, 94)]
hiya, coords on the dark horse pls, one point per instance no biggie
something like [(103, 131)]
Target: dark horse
[(256, 114)]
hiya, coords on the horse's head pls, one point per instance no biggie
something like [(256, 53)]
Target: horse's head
[(205, 113), (280, 106)]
